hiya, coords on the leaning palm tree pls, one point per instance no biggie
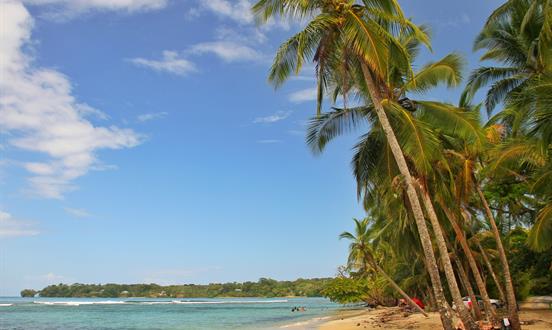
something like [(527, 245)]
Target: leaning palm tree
[(518, 35), (479, 234), (374, 165), (361, 256), (358, 41)]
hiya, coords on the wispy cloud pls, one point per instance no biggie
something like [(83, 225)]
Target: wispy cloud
[(269, 141), (151, 116), (280, 115), (12, 227), (302, 78), (171, 62), (87, 111), (39, 113), (238, 11), (304, 95), (66, 9), (78, 213), (244, 36), (296, 132), (228, 51), (174, 63), (454, 22)]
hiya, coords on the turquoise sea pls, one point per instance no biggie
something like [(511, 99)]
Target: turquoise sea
[(170, 313)]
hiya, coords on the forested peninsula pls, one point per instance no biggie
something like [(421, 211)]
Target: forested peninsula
[(265, 287)]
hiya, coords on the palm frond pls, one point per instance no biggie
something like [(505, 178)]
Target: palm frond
[(446, 71), (300, 48), (329, 125), (540, 236), (453, 121), (482, 77)]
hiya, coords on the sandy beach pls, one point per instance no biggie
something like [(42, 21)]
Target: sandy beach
[(392, 318)]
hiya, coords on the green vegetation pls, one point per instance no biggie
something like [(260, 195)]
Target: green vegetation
[(265, 287), (346, 290), (455, 205), (28, 293)]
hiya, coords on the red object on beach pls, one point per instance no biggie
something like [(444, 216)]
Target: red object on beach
[(418, 302)]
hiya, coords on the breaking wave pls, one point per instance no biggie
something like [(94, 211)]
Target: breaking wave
[(154, 302)]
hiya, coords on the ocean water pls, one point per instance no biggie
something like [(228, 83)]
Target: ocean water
[(170, 313)]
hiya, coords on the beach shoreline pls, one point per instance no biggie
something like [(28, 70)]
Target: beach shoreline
[(318, 321), (393, 318)]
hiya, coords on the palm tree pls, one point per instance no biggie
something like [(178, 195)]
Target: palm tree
[(485, 256), (373, 162), (400, 238), (519, 36), (461, 237), (464, 279), (358, 40), (361, 256)]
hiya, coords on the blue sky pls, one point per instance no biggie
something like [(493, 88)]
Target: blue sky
[(140, 142)]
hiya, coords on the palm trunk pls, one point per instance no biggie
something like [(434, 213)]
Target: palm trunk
[(445, 258), (397, 287), (491, 271), (510, 294), (447, 306), (446, 317), (433, 303), (489, 310), (467, 285), (465, 279)]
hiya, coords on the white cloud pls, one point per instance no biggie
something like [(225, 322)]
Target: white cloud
[(228, 51), (87, 111), (308, 94), (38, 113), (78, 213), (151, 116), (280, 115), (193, 13), (242, 36), (238, 11), (171, 63), (60, 9), (11, 227)]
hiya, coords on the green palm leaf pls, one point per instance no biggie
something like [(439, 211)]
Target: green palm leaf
[(327, 126), (445, 71), (540, 236)]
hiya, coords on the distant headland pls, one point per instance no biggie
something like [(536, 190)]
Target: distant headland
[(264, 287)]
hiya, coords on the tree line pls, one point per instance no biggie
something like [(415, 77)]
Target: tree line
[(265, 287)]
